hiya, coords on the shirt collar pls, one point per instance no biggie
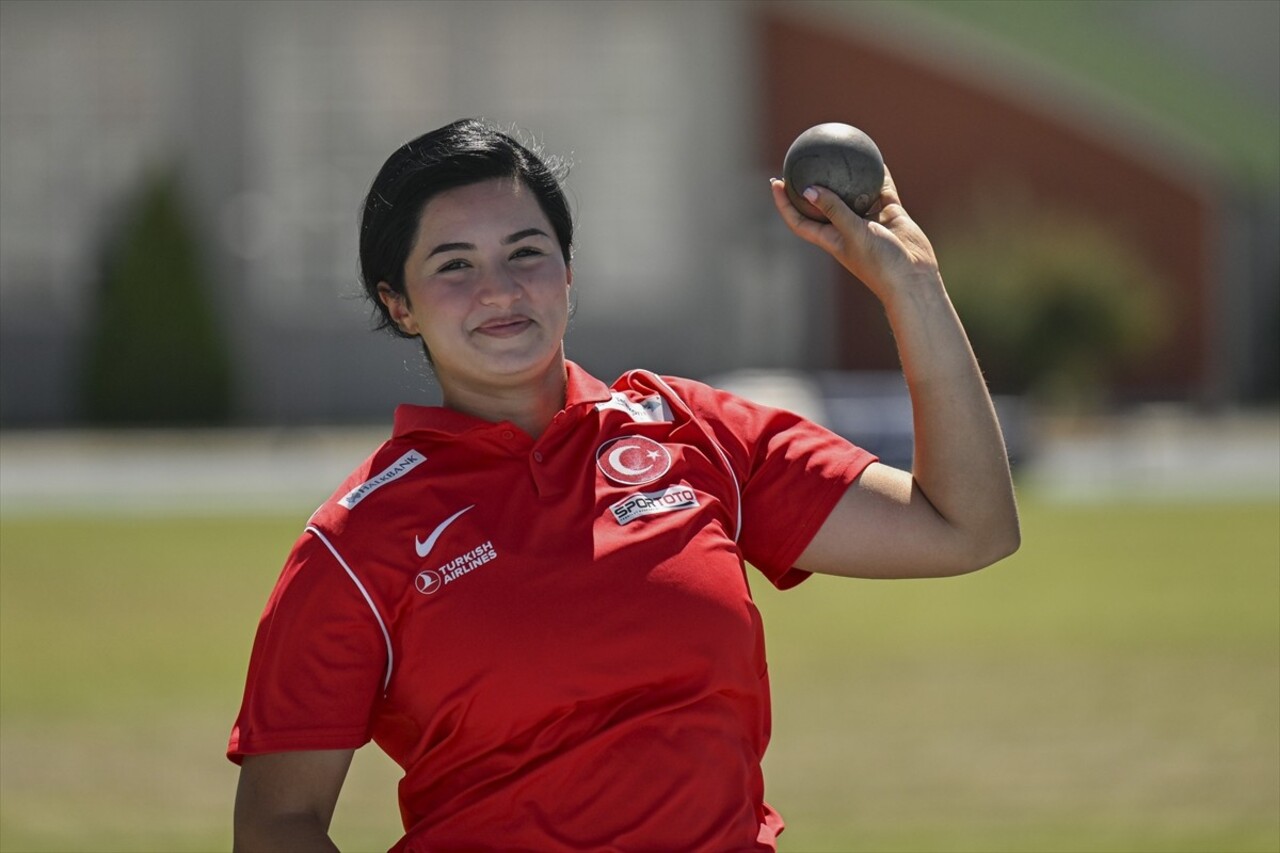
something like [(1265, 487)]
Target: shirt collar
[(582, 389)]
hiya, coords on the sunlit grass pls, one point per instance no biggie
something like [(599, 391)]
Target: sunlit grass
[(1114, 686)]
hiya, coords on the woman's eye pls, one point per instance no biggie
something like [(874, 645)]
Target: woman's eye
[(526, 252), (456, 264)]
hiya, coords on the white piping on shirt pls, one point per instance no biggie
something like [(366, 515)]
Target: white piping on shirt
[(737, 529), (368, 600)]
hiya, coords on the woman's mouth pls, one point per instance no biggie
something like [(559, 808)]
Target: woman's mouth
[(505, 327)]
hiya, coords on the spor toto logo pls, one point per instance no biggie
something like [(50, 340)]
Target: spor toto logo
[(633, 460), (427, 582)]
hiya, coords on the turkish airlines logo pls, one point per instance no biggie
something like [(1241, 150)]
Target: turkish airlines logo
[(428, 582), (431, 581), (633, 460)]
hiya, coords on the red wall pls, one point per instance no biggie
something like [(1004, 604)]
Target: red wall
[(944, 138)]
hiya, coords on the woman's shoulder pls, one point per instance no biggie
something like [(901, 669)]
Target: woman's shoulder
[(378, 477)]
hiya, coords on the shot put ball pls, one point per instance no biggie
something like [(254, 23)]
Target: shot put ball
[(836, 156)]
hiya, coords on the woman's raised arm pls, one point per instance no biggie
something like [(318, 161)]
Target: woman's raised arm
[(955, 511)]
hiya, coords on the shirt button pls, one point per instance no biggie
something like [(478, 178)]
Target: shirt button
[(537, 456), (508, 434)]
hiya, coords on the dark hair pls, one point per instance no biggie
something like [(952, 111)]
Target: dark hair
[(459, 154)]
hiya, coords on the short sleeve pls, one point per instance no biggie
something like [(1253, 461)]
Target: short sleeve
[(791, 473), (318, 662)]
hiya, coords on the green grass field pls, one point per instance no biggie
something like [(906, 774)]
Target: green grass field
[(1114, 686)]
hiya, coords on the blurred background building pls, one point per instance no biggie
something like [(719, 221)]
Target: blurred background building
[(1137, 141)]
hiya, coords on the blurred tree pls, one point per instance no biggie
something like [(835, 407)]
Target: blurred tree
[(1057, 307), (155, 354)]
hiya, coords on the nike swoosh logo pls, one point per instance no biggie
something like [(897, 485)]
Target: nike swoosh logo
[(424, 548)]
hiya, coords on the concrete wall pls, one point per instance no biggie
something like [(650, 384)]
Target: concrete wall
[(672, 114), (279, 115)]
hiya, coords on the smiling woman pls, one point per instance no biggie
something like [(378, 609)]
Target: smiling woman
[(571, 659), (488, 293), (457, 155)]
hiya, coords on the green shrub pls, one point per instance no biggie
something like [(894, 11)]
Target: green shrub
[(1056, 305), (155, 354)]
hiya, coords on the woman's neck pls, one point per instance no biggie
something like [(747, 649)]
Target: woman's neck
[(530, 404)]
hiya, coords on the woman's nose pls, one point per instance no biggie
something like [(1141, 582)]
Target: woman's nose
[(499, 287)]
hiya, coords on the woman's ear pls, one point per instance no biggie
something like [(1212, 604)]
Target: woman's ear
[(398, 307)]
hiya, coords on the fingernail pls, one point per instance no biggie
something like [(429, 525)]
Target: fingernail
[(811, 195)]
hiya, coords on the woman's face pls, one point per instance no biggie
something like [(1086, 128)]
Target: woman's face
[(486, 287)]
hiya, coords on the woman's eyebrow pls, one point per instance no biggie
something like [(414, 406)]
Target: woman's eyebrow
[(471, 247), (452, 247), (527, 232)]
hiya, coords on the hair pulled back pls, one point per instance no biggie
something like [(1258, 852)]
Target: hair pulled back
[(464, 152)]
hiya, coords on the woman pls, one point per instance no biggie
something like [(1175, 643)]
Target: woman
[(533, 596)]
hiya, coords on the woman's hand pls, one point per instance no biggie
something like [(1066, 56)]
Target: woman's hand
[(886, 250)]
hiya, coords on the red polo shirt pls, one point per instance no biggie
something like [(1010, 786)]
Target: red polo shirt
[(555, 638)]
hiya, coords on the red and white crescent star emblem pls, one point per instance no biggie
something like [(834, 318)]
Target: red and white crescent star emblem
[(633, 460)]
